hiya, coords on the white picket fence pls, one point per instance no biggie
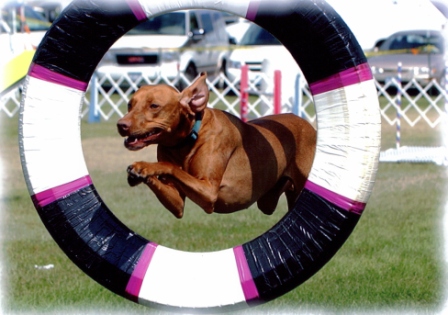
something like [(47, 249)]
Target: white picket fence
[(414, 104), (107, 98)]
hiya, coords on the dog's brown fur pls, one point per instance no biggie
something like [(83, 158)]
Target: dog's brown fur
[(230, 166)]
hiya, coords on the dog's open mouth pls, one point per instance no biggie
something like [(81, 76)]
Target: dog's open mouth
[(140, 141)]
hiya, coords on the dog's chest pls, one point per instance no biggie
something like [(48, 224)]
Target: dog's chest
[(182, 157)]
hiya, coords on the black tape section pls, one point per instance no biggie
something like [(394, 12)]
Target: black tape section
[(81, 35), (315, 35), (298, 246), (93, 238)]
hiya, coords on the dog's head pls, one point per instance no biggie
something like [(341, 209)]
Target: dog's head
[(161, 114)]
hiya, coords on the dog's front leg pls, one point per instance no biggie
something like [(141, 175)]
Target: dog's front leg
[(201, 192), (168, 195), (164, 190)]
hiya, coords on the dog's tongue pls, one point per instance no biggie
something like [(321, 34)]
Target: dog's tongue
[(136, 143), (133, 143), (131, 140)]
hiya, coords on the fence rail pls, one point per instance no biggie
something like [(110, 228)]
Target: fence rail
[(107, 98), (410, 103)]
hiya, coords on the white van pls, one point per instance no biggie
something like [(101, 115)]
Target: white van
[(189, 41)]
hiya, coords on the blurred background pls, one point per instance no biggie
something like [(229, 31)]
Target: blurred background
[(404, 42), (395, 259)]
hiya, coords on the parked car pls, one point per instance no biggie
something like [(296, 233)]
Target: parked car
[(263, 54), (237, 30), (230, 18), (254, 46), (421, 53), (191, 41)]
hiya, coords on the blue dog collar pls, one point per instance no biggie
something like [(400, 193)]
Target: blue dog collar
[(194, 134)]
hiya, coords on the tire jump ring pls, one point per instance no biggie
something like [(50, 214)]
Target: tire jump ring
[(304, 240)]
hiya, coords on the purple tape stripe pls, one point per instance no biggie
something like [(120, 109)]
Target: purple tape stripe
[(137, 9), (50, 195), (338, 200), (39, 72), (351, 76), (135, 282), (247, 282), (252, 10)]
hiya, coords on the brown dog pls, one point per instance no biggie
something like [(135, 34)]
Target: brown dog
[(212, 157)]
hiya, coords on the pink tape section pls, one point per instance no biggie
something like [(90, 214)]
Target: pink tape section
[(338, 200), (247, 282), (347, 77), (252, 10), (45, 74), (135, 282), (137, 9), (50, 195)]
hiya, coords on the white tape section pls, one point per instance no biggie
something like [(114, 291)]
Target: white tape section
[(238, 7), (192, 280), (51, 137), (349, 135)]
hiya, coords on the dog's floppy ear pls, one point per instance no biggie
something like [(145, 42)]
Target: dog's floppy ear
[(195, 97)]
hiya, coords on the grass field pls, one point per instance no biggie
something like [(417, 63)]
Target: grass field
[(392, 261)]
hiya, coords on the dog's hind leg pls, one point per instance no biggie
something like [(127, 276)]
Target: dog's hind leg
[(291, 198), (268, 202)]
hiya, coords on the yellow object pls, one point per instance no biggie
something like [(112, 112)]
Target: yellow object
[(16, 69)]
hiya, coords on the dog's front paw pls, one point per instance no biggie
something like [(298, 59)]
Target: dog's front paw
[(138, 173), (142, 172), (134, 178)]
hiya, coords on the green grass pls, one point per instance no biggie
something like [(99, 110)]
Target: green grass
[(393, 259)]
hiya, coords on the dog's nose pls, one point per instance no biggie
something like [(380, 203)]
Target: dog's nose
[(123, 127)]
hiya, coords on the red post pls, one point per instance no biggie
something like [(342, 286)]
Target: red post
[(277, 92), (244, 92)]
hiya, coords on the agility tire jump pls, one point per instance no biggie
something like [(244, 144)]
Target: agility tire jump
[(260, 270)]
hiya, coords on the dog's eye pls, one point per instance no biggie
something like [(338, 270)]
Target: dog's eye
[(154, 106), (129, 106)]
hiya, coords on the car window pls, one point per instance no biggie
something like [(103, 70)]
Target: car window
[(207, 23), (412, 41), (220, 27), (256, 35), (194, 25), (166, 24), (229, 18), (217, 16)]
